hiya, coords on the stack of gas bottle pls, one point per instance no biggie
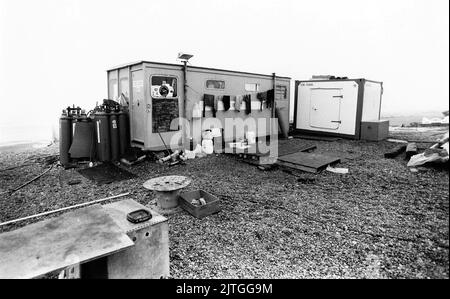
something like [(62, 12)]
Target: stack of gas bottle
[(101, 135)]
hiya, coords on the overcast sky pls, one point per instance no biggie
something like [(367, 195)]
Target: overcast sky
[(55, 52)]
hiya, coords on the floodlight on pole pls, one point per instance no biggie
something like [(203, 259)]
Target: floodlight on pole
[(185, 58)]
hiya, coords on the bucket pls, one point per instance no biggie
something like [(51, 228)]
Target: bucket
[(251, 137)]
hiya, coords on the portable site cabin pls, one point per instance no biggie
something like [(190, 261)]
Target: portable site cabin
[(348, 108), (152, 107)]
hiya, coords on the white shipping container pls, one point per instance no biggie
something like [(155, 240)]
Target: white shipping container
[(336, 107)]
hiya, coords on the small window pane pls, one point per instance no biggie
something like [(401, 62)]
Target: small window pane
[(252, 87), (113, 89), (163, 87), (281, 93), (215, 84)]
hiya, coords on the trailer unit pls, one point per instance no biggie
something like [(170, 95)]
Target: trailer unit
[(156, 96)]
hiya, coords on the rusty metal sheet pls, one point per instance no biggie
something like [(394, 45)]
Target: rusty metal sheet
[(50, 245)]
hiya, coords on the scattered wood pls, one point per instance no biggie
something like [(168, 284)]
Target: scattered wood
[(397, 141), (423, 141), (65, 209), (131, 163), (337, 170), (173, 157), (266, 161), (30, 181), (318, 138), (307, 161), (411, 150), (287, 151), (74, 182), (396, 151)]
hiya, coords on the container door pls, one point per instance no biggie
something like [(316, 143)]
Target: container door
[(325, 108), (167, 101), (137, 120)]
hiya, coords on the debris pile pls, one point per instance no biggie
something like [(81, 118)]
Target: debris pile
[(436, 154)]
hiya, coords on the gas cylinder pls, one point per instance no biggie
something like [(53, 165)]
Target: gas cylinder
[(114, 136), (75, 113), (65, 137), (102, 136), (124, 136), (73, 125), (83, 145)]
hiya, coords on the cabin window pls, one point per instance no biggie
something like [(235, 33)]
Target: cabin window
[(124, 90), (113, 89), (163, 87), (215, 84), (281, 92), (252, 87), (125, 86)]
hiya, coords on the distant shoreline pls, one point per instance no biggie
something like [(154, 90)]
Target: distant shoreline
[(20, 146)]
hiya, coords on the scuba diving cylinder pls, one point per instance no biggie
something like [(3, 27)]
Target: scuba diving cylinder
[(65, 137), (102, 136), (124, 136), (114, 136)]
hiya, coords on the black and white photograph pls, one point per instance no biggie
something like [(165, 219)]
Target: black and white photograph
[(220, 146)]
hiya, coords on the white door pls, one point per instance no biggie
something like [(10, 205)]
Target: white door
[(325, 108), (137, 107)]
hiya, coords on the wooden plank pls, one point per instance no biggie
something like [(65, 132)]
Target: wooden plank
[(50, 245), (411, 150), (318, 138), (298, 167), (309, 160), (282, 150), (395, 151), (287, 151)]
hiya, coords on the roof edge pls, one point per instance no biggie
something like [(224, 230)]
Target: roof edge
[(193, 67)]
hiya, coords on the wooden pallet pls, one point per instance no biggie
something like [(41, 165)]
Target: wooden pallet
[(267, 160), (308, 162)]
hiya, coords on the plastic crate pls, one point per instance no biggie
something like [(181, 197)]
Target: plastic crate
[(212, 203)]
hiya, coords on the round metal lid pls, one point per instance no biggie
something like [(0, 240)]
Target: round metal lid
[(167, 183)]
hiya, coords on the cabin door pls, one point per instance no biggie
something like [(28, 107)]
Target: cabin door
[(138, 115), (166, 96), (325, 108)]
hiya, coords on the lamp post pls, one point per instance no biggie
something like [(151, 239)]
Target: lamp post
[(184, 58)]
